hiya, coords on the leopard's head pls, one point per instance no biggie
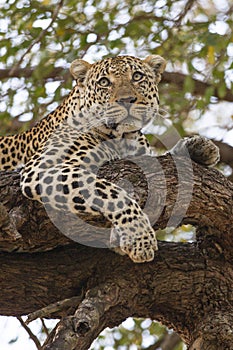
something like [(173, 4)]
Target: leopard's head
[(119, 94)]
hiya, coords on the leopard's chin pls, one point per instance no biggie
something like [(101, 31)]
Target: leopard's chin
[(130, 124)]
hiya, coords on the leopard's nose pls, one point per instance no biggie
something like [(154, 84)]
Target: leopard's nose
[(125, 100)]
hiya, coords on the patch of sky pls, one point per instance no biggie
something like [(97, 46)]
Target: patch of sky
[(129, 324), (219, 27), (14, 337), (42, 23), (200, 18), (61, 62), (199, 63), (123, 18), (230, 50), (91, 38), (20, 99), (222, 5), (23, 3), (4, 24), (97, 52), (89, 11), (216, 122), (148, 339), (116, 34), (176, 9)]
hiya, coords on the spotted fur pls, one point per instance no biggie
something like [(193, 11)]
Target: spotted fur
[(99, 121)]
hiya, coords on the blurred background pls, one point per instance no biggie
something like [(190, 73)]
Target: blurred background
[(39, 40)]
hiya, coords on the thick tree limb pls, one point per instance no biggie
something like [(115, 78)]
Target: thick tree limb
[(187, 287), (199, 86), (70, 332), (35, 232), (54, 308), (226, 152), (178, 79)]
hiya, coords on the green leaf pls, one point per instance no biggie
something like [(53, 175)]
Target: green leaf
[(208, 93), (221, 90), (189, 84)]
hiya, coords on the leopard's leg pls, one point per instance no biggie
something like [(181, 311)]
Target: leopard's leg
[(199, 148), (80, 191)]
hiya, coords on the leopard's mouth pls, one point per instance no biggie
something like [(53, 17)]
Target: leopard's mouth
[(131, 122), (128, 124), (124, 118)]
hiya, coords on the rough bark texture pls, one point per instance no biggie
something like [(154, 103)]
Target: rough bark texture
[(187, 287)]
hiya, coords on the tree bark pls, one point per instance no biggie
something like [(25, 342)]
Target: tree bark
[(188, 286)]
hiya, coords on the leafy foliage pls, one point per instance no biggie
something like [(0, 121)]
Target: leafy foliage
[(38, 36), (136, 334)]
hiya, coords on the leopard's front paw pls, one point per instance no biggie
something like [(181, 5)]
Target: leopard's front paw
[(137, 240), (200, 149)]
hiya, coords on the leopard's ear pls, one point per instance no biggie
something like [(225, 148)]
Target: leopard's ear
[(157, 63), (78, 69)]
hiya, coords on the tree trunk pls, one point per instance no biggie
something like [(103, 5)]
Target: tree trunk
[(188, 286)]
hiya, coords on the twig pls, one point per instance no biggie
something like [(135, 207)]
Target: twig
[(176, 78), (97, 301), (187, 7), (75, 332), (31, 335), (53, 308), (44, 327), (42, 34)]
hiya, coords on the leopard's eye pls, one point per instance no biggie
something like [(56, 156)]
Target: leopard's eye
[(137, 76), (104, 82)]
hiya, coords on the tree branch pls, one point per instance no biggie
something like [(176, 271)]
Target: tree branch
[(58, 307), (183, 287), (38, 39), (178, 79), (79, 330), (184, 12), (182, 196), (200, 87), (30, 333), (215, 332)]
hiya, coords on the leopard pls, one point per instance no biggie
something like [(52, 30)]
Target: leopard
[(101, 120)]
